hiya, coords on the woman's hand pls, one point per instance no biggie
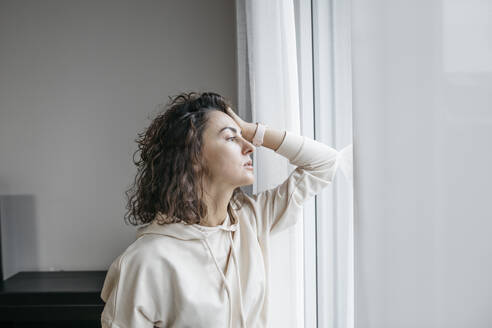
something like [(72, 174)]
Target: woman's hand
[(248, 129)]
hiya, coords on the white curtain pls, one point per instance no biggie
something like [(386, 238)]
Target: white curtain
[(273, 89)]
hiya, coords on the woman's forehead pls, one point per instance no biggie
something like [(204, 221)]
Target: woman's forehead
[(220, 120)]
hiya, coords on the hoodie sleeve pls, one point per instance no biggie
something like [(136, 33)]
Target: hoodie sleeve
[(127, 297), (279, 208)]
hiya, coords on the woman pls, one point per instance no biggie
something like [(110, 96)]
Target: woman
[(202, 259)]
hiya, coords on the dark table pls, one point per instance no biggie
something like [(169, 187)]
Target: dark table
[(54, 296)]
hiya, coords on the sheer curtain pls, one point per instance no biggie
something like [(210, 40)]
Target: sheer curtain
[(287, 81)]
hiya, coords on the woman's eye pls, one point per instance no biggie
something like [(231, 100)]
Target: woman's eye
[(231, 138)]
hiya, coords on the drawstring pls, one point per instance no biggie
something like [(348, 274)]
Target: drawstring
[(225, 283), (243, 323), (239, 282)]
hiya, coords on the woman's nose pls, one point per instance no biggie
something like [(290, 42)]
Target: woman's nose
[(248, 147)]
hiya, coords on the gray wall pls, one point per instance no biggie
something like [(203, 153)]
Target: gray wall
[(78, 80), (422, 104)]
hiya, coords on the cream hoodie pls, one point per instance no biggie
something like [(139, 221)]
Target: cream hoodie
[(179, 275)]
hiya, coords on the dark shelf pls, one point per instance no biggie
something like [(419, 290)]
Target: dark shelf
[(52, 296)]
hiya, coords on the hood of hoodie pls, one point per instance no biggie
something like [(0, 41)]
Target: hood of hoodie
[(183, 231)]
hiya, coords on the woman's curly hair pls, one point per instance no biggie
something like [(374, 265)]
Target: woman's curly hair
[(170, 173)]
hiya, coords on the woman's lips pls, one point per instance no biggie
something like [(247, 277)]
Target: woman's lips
[(249, 167)]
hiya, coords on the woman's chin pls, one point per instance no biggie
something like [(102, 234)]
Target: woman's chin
[(248, 182)]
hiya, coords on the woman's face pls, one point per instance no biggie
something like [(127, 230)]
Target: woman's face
[(226, 152)]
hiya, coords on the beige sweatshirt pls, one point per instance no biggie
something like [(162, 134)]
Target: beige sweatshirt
[(179, 275)]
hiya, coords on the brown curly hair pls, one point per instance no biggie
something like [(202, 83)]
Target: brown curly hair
[(170, 169)]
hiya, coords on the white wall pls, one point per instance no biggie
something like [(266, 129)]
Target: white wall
[(78, 80), (422, 84)]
